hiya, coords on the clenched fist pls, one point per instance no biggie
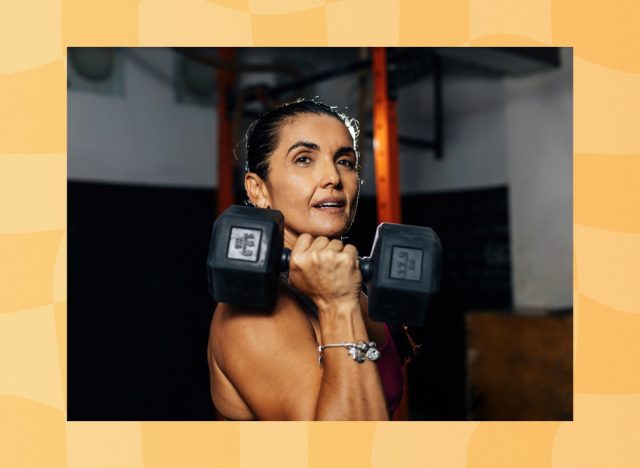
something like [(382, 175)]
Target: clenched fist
[(326, 271)]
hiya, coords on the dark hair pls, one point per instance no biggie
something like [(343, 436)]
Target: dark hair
[(263, 135)]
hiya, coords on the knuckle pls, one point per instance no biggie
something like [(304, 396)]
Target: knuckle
[(301, 244), (316, 259), (346, 259), (351, 250), (325, 254), (336, 243), (321, 241), (294, 261), (303, 239)]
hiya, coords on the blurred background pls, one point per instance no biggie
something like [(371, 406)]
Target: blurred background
[(485, 159)]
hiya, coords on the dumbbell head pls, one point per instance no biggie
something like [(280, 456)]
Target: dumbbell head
[(406, 272), (244, 256)]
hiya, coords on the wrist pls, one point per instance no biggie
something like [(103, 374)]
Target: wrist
[(341, 321), (338, 309)]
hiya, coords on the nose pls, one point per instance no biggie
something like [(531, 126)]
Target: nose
[(329, 175)]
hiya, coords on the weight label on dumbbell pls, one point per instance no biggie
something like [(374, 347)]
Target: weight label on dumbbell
[(244, 244), (406, 264)]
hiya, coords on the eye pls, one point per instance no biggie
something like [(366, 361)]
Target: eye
[(347, 163), (302, 160)]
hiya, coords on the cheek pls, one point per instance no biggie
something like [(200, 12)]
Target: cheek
[(292, 190), (351, 185)]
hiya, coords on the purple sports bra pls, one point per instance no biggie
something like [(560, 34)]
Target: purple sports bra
[(390, 371)]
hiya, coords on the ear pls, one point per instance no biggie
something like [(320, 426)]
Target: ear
[(257, 190)]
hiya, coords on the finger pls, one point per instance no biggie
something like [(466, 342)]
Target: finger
[(350, 249), (336, 245), (319, 243), (303, 243), (299, 251)]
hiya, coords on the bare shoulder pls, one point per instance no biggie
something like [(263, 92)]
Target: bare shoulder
[(257, 356), (235, 328)]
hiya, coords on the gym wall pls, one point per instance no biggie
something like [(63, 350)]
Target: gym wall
[(539, 129)]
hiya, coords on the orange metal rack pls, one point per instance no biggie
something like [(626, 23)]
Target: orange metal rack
[(225, 77), (385, 150), (385, 142)]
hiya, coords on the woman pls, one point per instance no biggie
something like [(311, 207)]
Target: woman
[(302, 160)]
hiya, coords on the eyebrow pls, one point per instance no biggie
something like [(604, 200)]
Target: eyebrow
[(305, 144), (312, 146), (346, 149)]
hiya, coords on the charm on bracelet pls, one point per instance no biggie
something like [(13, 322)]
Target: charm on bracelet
[(359, 352)]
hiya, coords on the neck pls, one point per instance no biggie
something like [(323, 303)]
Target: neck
[(290, 238)]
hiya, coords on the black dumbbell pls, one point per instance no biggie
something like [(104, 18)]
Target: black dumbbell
[(247, 255)]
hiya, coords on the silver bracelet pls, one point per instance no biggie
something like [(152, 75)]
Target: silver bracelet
[(358, 351)]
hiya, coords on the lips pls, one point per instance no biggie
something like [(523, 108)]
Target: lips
[(331, 202)]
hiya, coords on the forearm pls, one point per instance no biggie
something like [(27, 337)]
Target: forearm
[(349, 390)]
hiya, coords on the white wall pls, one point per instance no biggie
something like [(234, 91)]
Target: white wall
[(475, 151), (539, 140), (144, 137)]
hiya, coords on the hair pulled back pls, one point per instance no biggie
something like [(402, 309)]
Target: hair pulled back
[(263, 134)]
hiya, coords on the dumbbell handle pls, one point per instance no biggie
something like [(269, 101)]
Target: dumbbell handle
[(366, 264)]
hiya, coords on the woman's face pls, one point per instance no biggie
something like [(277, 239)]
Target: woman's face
[(312, 177)]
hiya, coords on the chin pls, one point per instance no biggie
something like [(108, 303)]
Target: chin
[(334, 232)]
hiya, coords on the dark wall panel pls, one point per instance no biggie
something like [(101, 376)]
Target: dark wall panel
[(139, 310)]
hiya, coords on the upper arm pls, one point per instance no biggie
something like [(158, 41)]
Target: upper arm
[(270, 357)]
